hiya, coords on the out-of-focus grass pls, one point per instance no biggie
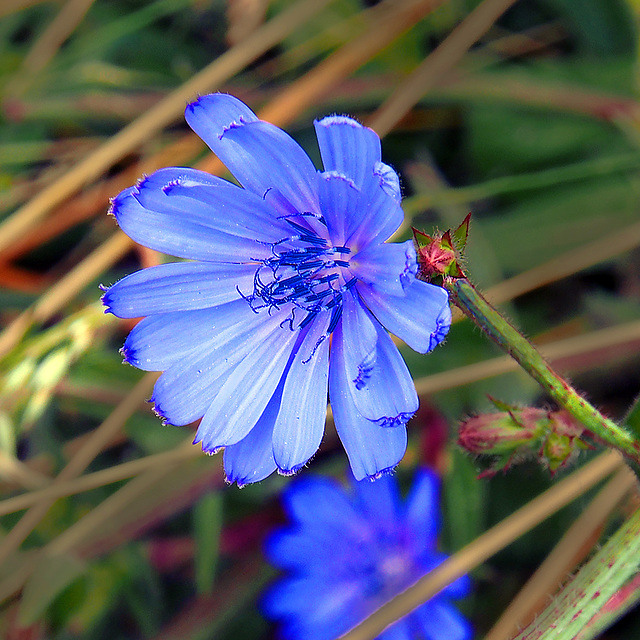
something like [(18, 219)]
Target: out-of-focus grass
[(112, 525)]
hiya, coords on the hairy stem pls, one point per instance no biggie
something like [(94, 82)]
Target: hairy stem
[(520, 349)]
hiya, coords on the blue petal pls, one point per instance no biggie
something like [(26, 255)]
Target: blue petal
[(260, 155), (251, 459), (371, 449), (158, 341), (189, 233), (315, 501), (442, 622), (382, 216), (213, 201), (399, 630), (188, 387), (299, 426), (348, 148), (383, 391), (306, 615), (380, 502), (339, 203), (421, 317), (390, 267), (247, 389), (179, 286), (361, 339), (422, 513)]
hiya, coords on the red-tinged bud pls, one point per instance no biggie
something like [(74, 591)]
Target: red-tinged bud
[(441, 255), (502, 433), (554, 437)]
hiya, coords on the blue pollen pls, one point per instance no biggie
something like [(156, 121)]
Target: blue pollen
[(303, 271)]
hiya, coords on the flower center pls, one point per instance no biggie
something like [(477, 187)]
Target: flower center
[(306, 272)]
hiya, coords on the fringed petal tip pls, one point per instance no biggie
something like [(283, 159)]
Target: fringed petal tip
[(329, 121), (389, 471), (391, 422), (105, 299), (443, 323), (293, 470), (389, 180)]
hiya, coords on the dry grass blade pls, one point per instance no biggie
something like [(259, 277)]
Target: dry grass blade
[(65, 289), (12, 6), (596, 341), (167, 110), (616, 243), (569, 551), (486, 545), (99, 478), (12, 541), (51, 39), (391, 19), (443, 58)]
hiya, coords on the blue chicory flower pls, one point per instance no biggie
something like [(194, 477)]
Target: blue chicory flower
[(278, 266), (348, 553)]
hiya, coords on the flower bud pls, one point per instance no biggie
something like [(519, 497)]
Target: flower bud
[(516, 434)]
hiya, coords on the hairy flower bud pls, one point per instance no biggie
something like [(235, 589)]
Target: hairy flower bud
[(516, 434)]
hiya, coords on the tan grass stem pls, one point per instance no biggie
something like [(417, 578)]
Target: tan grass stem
[(564, 557), (65, 289), (487, 544), (90, 449), (100, 478), (594, 341), (392, 18), (163, 113), (442, 59), (51, 39), (600, 250)]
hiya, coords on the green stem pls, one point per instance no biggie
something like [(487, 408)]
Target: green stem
[(527, 356), (587, 605)]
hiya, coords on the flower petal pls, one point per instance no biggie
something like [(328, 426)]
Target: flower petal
[(421, 317), (251, 459), (317, 500), (332, 615), (348, 147), (247, 389), (158, 341), (299, 426), (383, 390), (185, 391), (390, 267), (439, 620), (339, 203), (260, 155), (212, 201), (178, 286), (191, 233), (379, 501), (422, 513), (361, 339), (400, 630), (382, 213), (371, 449)]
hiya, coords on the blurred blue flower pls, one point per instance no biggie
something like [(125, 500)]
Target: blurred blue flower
[(348, 553), (277, 266)]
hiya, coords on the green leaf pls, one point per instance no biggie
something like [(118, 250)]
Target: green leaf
[(207, 524), (632, 419), (463, 502), (600, 27), (52, 576)]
